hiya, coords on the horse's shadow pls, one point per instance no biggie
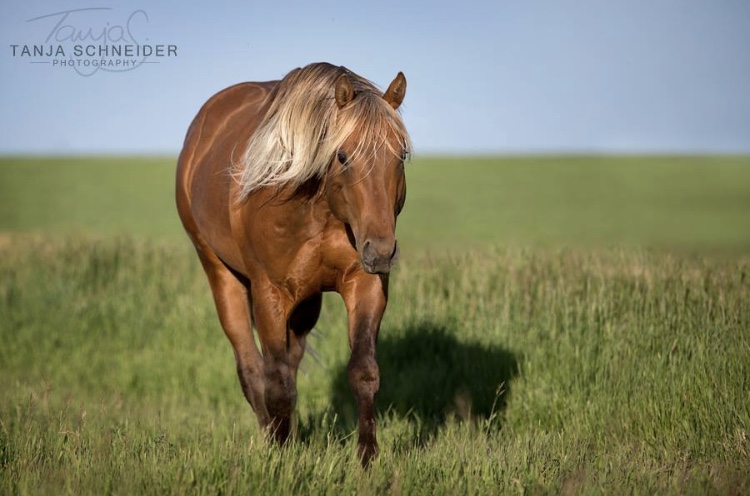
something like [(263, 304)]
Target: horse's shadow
[(427, 377)]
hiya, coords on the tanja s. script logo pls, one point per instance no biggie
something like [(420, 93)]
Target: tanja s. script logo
[(92, 39)]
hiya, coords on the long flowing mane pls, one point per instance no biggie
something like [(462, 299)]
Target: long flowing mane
[(303, 128)]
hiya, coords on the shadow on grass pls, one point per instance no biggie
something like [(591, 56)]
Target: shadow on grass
[(428, 376)]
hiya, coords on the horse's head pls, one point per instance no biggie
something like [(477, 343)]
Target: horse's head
[(366, 185)]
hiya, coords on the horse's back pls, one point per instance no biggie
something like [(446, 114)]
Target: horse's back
[(215, 138)]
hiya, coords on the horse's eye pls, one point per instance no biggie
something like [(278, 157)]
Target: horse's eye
[(404, 155), (342, 158)]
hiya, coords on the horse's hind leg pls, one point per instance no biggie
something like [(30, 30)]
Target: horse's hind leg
[(233, 306), (301, 322)]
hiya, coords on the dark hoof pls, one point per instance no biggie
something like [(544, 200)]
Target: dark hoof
[(367, 453), (278, 430)]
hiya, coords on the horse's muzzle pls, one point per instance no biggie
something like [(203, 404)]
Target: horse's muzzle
[(379, 257)]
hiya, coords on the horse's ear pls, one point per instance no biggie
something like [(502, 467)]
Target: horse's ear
[(396, 91), (344, 91)]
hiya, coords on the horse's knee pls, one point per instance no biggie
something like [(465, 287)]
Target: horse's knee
[(281, 390), (364, 376), (253, 387), (364, 380), (280, 399)]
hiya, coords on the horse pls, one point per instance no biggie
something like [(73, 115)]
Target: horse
[(288, 189)]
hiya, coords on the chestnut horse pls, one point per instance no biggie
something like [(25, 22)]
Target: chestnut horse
[(287, 189)]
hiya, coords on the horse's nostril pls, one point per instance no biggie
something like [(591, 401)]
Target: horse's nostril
[(368, 252)]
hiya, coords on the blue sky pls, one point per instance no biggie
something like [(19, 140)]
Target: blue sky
[(531, 76)]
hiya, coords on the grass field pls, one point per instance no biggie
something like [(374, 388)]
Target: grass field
[(556, 325), (676, 203)]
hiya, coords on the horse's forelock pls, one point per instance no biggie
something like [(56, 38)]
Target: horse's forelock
[(303, 128)]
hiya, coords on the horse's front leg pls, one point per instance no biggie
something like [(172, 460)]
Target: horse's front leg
[(365, 297), (271, 310)]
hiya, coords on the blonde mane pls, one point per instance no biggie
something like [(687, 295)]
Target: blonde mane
[(304, 128)]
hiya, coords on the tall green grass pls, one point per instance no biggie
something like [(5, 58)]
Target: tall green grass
[(505, 370), (557, 325)]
